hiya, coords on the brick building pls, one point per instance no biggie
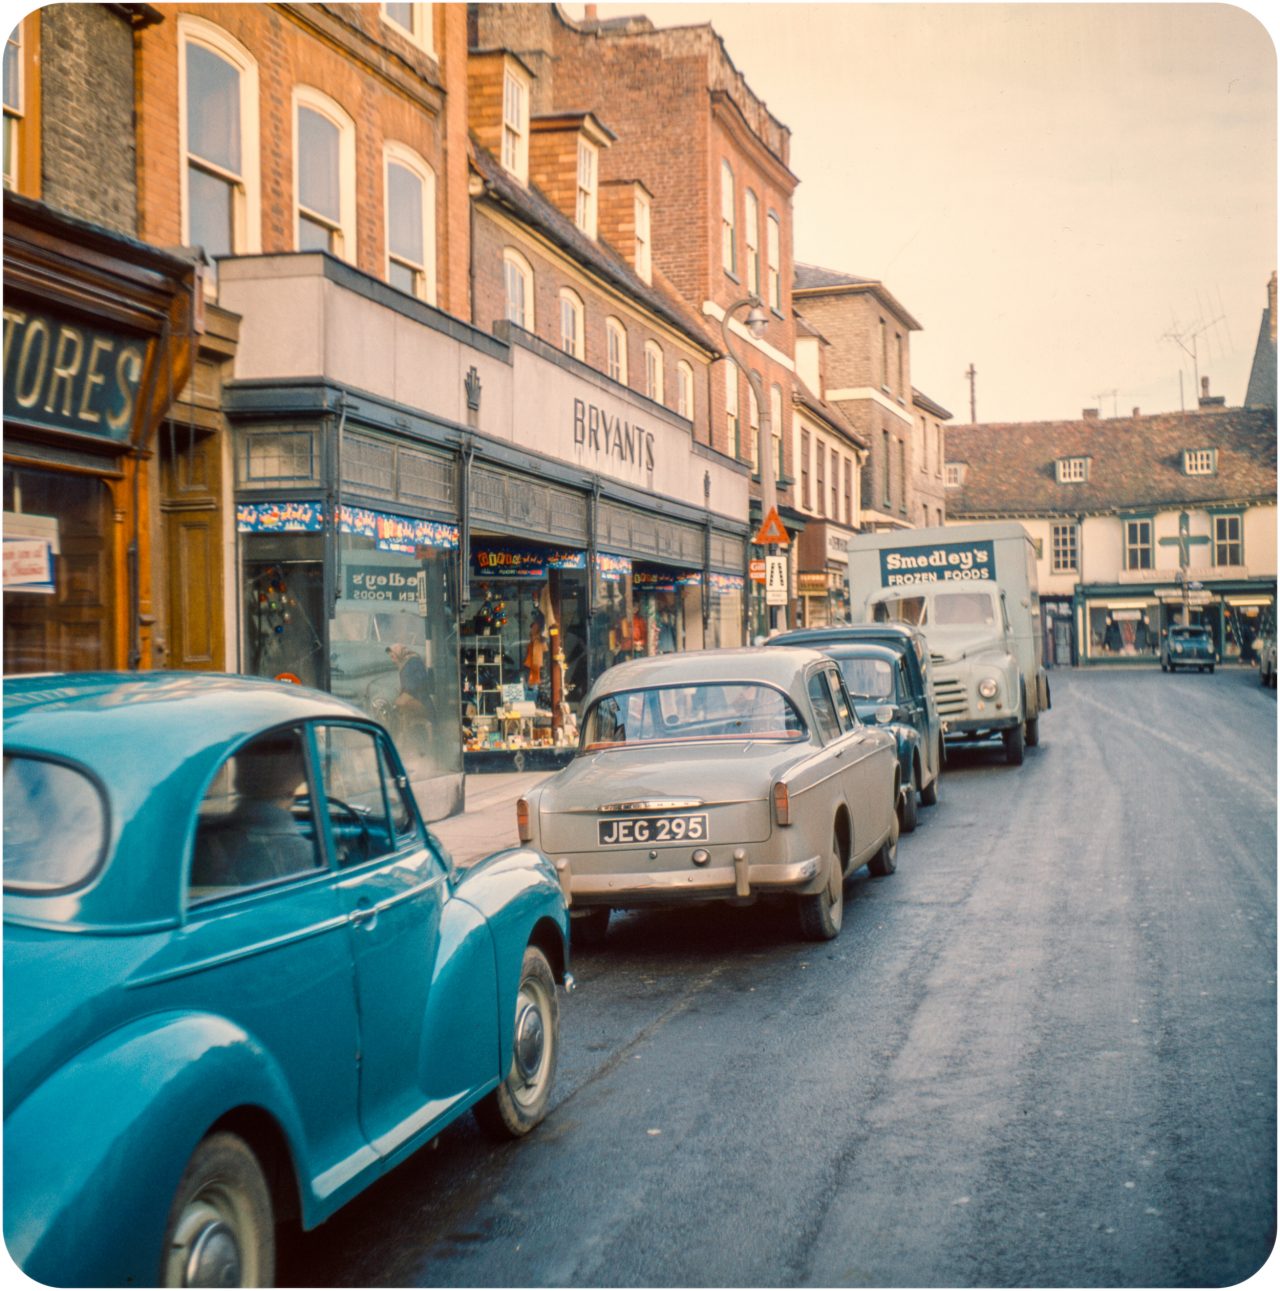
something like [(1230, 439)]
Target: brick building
[(721, 219), (99, 330), (869, 380)]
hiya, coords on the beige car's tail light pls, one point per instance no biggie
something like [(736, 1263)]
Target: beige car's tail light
[(523, 827), (781, 803)]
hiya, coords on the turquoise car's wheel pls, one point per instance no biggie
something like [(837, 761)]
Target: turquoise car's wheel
[(822, 913), (220, 1231), (521, 1101)]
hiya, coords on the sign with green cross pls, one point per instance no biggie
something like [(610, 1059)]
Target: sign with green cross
[(1185, 540)]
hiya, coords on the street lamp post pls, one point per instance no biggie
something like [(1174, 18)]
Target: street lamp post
[(757, 320)]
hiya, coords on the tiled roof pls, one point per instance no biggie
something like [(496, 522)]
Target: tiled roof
[(597, 257), (810, 277), (801, 394), (1134, 462)]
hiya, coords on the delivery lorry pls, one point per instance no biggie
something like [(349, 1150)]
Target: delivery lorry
[(972, 590)]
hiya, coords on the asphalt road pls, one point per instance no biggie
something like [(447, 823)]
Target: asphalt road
[(1041, 1054)]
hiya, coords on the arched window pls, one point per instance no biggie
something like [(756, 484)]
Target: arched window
[(774, 250), (753, 422), (411, 222), (218, 125), (616, 336), (751, 239), (728, 220), (654, 381), (571, 329), (733, 418), (324, 174), (684, 390), (517, 278)]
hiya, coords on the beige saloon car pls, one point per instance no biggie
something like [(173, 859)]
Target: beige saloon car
[(719, 775)]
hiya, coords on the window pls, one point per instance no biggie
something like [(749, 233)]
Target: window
[(775, 428), (684, 390), (804, 470), (937, 450), (1199, 461), (824, 711), (774, 249), (902, 476), (751, 238), (255, 826), (644, 238), (616, 335), (218, 109), (884, 356), (517, 278), (13, 99), (1228, 544), (731, 407), (835, 485), (352, 767), (1072, 470), (411, 221), (414, 20), (728, 225), (653, 374), (955, 475), (515, 124), (55, 825), (324, 174), (1137, 544), (821, 476), (886, 466), (753, 422), (1063, 540), (902, 364), (585, 209), (848, 491), (571, 329)]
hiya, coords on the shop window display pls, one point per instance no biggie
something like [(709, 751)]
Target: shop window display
[(1124, 631)]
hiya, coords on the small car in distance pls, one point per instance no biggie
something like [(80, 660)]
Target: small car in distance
[(1187, 647), (242, 980), (719, 775)]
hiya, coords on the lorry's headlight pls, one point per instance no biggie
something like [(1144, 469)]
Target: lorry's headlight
[(988, 687)]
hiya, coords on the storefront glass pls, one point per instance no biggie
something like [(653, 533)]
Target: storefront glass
[(724, 627), (1125, 630), (58, 572), (523, 646)]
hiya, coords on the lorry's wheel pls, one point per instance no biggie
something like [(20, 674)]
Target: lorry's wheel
[(1014, 744), (1032, 732)]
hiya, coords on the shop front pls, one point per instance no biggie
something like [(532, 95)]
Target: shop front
[(822, 584), (99, 332)]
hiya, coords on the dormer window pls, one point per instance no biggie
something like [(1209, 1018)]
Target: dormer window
[(1199, 461), (515, 124), (414, 20), (585, 210), (644, 238), (1072, 470), (955, 474)]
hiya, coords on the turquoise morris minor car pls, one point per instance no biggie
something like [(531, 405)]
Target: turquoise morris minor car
[(719, 775), (241, 979)]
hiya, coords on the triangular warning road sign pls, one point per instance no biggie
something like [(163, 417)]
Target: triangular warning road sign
[(772, 530)]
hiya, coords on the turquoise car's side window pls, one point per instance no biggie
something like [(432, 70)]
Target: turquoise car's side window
[(255, 825), (356, 795), (404, 820), (55, 825)]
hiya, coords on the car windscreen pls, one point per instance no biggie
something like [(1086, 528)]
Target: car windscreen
[(963, 609), (1190, 634), (705, 711), (55, 825), (901, 609), (867, 678)]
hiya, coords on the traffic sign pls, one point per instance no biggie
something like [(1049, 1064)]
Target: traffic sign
[(756, 570), (775, 580), (772, 531)]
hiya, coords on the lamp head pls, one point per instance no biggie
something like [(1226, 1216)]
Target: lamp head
[(757, 320)]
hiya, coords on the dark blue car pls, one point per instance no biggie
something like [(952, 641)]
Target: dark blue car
[(914, 709)]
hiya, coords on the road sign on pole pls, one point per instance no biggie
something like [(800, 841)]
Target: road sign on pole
[(772, 531), (775, 580)]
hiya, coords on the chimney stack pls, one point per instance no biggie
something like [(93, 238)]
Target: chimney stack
[(590, 12), (1210, 401), (1091, 414), (1137, 412)]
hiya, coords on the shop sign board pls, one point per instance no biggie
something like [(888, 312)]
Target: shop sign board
[(28, 565), (279, 517), (756, 569), (727, 583), (612, 569), (775, 580), (68, 376), (837, 547), (938, 563), (404, 534), (510, 560)]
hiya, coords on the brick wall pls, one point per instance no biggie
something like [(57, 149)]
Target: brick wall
[(87, 135), (392, 90)]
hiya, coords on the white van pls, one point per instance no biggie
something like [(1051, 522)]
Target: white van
[(972, 590)]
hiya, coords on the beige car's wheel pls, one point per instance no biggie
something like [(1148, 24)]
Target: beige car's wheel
[(220, 1231), (822, 913), (885, 861)]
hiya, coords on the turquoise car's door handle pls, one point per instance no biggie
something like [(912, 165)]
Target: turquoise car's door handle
[(363, 916)]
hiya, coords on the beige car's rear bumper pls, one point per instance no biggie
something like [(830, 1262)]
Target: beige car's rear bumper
[(713, 882)]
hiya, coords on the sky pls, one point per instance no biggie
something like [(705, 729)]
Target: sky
[(1078, 200)]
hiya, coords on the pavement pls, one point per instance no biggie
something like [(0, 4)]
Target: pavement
[(488, 824)]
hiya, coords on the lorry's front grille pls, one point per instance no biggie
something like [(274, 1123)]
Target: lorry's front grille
[(951, 696)]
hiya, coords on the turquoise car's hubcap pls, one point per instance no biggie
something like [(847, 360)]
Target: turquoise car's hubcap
[(530, 1041), (214, 1257)]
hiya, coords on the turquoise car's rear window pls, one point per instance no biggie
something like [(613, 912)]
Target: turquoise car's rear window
[(55, 825)]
